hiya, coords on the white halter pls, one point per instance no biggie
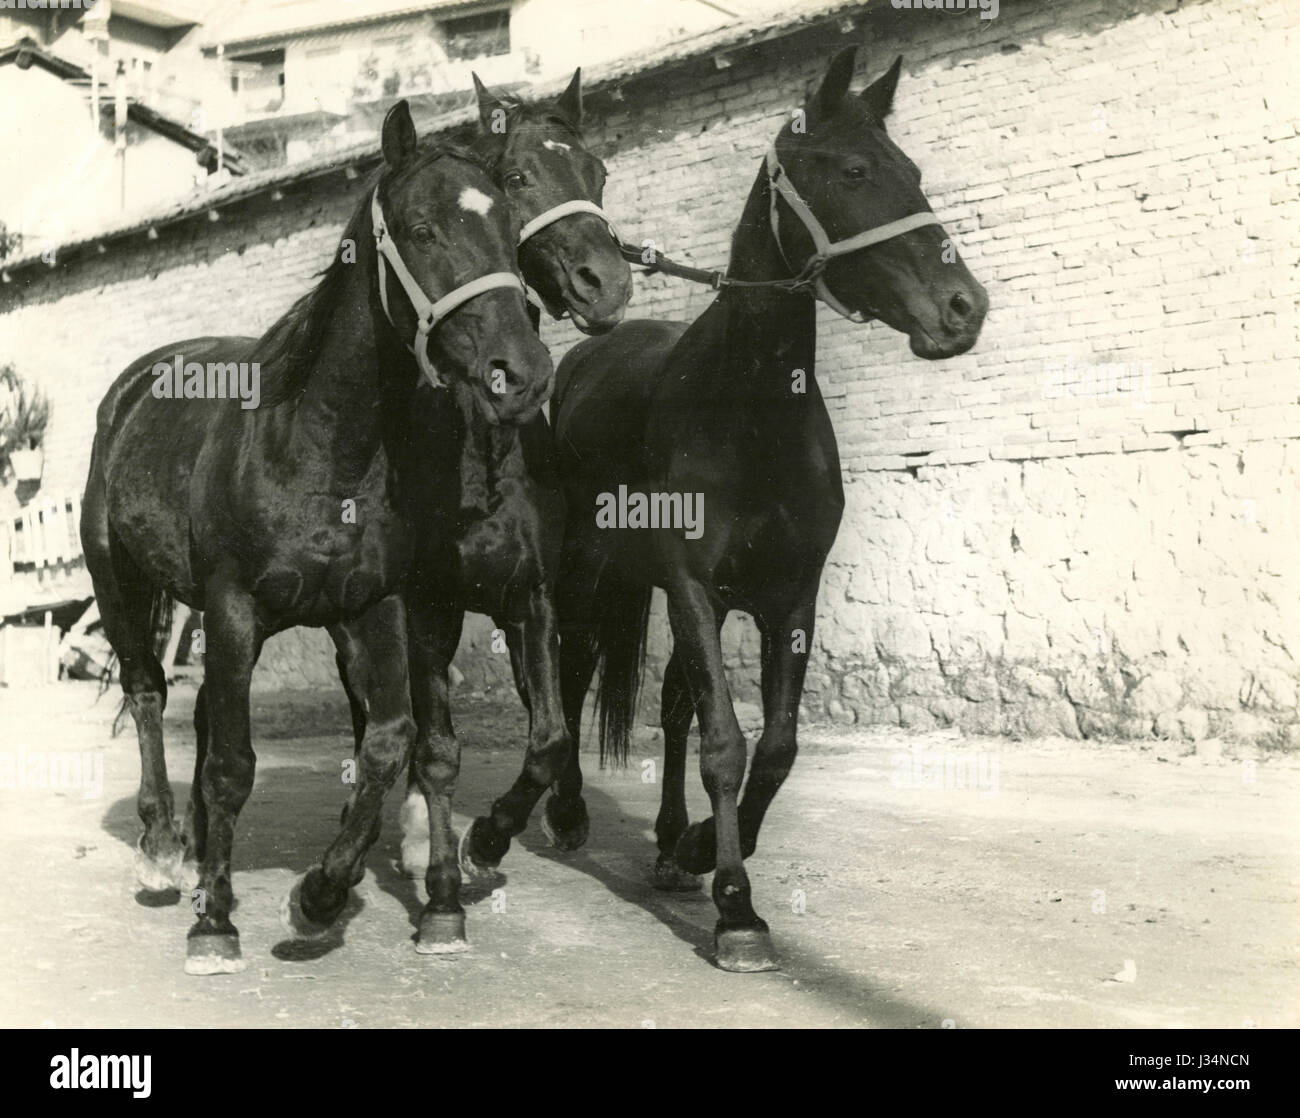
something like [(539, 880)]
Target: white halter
[(429, 313), (825, 249), (564, 209), (554, 214)]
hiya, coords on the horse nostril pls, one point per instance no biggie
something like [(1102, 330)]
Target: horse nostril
[(961, 306), (589, 277)]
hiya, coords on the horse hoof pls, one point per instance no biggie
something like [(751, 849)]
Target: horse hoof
[(696, 850), (474, 872), (296, 921), (157, 874), (565, 825), (213, 954), (669, 877), (744, 950), (414, 859), (441, 933)]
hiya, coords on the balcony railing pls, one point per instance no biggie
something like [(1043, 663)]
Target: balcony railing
[(46, 533)]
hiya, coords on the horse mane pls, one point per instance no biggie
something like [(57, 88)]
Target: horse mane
[(289, 350)]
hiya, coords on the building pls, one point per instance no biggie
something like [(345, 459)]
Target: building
[(1086, 526), (136, 109), (91, 145), (301, 77)]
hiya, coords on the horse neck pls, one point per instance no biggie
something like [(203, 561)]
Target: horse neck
[(482, 453), (343, 414), (769, 333)]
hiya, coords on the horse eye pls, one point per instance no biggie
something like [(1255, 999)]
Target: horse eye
[(856, 173), (422, 234), (516, 180)]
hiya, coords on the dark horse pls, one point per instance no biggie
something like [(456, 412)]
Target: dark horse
[(726, 413), (286, 514), (491, 541)]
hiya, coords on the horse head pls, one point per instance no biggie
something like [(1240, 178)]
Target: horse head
[(864, 191), (450, 230), (554, 184)]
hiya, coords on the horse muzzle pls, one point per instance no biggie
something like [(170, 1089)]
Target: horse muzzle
[(513, 380), (953, 324)]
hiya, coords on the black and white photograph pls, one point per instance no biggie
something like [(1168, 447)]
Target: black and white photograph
[(650, 514)]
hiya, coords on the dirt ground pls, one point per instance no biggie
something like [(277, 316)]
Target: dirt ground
[(1082, 885)]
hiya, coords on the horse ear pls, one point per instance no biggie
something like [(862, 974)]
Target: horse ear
[(488, 105), (398, 138), (569, 102), (879, 95), (835, 85)]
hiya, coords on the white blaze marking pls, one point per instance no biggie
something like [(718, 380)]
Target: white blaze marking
[(474, 201), (555, 145)]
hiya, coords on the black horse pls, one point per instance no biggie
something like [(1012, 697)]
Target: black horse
[(491, 541), (286, 513), (724, 418)]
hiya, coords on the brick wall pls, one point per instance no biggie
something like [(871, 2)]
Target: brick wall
[(1085, 526)]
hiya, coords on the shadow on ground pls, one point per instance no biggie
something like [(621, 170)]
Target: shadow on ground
[(293, 815)]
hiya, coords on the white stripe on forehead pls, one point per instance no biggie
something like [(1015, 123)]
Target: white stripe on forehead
[(474, 201), (555, 145)]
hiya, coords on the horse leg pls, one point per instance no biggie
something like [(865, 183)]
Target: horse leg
[(785, 661), (318, 896), (125, 600), (435, 767), (783, 671), (741, 938), (535, 645), (233, 641), (350, 660), (432, 638), (564, 820), (353, 669), (677, 712), (515, 641), (195, 828)]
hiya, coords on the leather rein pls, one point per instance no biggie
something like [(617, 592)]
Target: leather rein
[(810, 280)]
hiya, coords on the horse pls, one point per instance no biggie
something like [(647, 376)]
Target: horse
[(724, 417), (492, 542), (285, 513)]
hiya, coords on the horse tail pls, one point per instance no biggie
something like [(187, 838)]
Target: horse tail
[(624, 617), (161, 610)]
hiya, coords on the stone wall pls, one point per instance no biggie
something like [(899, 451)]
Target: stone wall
[(1088, 524)]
